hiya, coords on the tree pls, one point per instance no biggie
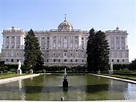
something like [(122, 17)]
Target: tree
[(33, 56), (132, 65), (90, 50), (97, 51)]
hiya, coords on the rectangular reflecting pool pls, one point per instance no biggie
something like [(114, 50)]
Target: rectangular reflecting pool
[(82, 87)]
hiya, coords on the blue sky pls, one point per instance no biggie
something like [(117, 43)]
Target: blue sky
[(82, 14)]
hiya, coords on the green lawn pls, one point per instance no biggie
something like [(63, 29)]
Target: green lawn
[(122, 76)]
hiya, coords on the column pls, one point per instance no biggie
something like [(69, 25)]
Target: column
[(9, 41), (126, 46), (120, 42), (73, 38), (115, 41), (4, 42), (15, 42), (50, 42)]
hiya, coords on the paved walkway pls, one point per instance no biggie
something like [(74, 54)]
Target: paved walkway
[(120, 79), (7, 80)]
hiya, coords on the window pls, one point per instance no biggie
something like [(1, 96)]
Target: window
[(71, 54), (71, 60), (54, 60), (65, 60), (117, 60), (12, 60), (12, 46), (17, 46), (123, 60), (6, 60), (17, 53), (76, 60), (65, 43), (112, 60), (17, 60)]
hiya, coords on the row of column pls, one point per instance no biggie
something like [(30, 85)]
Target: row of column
[(118, 42), (12, 41), (68, 42)]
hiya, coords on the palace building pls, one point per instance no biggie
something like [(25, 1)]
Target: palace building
[(63, 46)]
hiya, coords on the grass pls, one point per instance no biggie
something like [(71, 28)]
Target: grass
[(9, 75), (122, 76)]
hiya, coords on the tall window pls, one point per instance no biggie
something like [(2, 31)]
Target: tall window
[(54, 41), (123, 42), (17, 41), (7, 42), (82, 44), (12, 60), (65, 42), (76, 41), (112, 42), (117, 43), (42, 43), (12, 42)]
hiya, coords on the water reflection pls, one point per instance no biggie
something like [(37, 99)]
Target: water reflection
[(117, 90), (81, 87), (131, 92), (13, 90)]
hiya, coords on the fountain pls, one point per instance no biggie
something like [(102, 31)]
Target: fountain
[(19, 71), (65, 82), (111, 68)]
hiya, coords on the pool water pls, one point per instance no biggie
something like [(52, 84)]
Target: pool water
[(82, 87)]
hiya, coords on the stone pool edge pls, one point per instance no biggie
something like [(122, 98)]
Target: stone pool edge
[(119, 79), (71, 101), (7, 80)]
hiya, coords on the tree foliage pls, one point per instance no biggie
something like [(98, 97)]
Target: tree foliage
[(90, 50), (33, 56), (97, 51), (132, 65)]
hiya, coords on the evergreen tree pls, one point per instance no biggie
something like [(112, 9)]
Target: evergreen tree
[(90, 50), (97, 51), (132, 65), (101, 51), (33, 56)]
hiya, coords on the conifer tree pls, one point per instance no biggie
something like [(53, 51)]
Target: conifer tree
[(33, 56), (101, 51), (90, 50), (97, 51), (132, 65)]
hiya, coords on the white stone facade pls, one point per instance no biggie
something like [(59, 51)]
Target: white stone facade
[(117, 40), (62, 46)]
